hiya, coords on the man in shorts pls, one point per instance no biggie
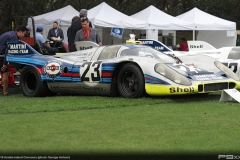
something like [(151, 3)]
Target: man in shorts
[(4, 38)]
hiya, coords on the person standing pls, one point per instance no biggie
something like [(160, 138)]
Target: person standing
[(87, 33), (76, 26), (183, 45), (4, 38), (69, 29)]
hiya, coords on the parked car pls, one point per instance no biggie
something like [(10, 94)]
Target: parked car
[(128, 70)]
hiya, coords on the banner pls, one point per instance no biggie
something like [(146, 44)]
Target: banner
[(117, 32)]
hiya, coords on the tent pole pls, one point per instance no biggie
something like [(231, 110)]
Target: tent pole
[(193, 35)]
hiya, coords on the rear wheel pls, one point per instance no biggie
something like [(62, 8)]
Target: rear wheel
[(131, 82), (31, 83)]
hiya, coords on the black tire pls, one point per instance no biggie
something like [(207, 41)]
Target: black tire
[(31, 83), (131, 82)]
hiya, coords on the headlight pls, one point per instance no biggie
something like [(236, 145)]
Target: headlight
[(226, 70), (160, 69), (172, 74)]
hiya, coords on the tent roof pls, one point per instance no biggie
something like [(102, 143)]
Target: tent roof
[(205, 21), (158, 19), (63, 16), (106, 16)]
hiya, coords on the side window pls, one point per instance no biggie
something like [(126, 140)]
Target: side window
[(109, 52), (234, 53)]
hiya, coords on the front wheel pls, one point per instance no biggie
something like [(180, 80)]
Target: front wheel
[(31, 83), (131, 82)]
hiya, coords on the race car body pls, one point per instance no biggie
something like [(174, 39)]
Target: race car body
[(129, 70), (229, 56)]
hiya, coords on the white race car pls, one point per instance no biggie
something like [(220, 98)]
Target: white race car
[(229, 56), (131, 71)]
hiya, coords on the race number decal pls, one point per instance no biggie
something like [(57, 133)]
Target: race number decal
[(91, 71), (232, 66)]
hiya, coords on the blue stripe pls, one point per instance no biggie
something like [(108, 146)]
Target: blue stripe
[(26, 60), (154, 80)]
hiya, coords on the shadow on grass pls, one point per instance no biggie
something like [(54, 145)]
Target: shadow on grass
[(175, 98)]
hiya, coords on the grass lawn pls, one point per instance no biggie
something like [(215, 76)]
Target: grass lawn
[(86, 124)]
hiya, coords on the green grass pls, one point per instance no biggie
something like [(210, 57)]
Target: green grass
[(84, 124)]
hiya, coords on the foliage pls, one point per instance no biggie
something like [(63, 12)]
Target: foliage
[(226, 9)]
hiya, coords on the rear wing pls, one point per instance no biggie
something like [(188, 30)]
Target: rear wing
[(199, 46)]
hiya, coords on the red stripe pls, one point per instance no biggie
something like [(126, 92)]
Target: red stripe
[(66, 74), (107, 74), (40, 70), (76, 75)]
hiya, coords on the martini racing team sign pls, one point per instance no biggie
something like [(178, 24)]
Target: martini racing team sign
[(18, 47)]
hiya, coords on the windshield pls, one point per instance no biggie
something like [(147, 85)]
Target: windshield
[(148, 52)]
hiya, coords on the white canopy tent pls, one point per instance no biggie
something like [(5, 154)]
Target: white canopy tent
[(63, 16), (216, 31), (104, 15), (157, 19)]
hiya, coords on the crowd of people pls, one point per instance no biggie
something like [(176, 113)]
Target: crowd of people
[(81, 29)]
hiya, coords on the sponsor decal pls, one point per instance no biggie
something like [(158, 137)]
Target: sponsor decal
[(181, 89), (52, 69), (84, 48), (146, 42), (155, 44), (17, 49), (196, 46), (205, 77), (159, 48)]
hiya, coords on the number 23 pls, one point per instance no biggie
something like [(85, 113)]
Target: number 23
[(91, 71)]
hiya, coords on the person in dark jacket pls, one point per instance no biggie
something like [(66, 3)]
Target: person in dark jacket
[(4, 38), (55, 34), (28, 31), (69, 28), (76, 26)]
